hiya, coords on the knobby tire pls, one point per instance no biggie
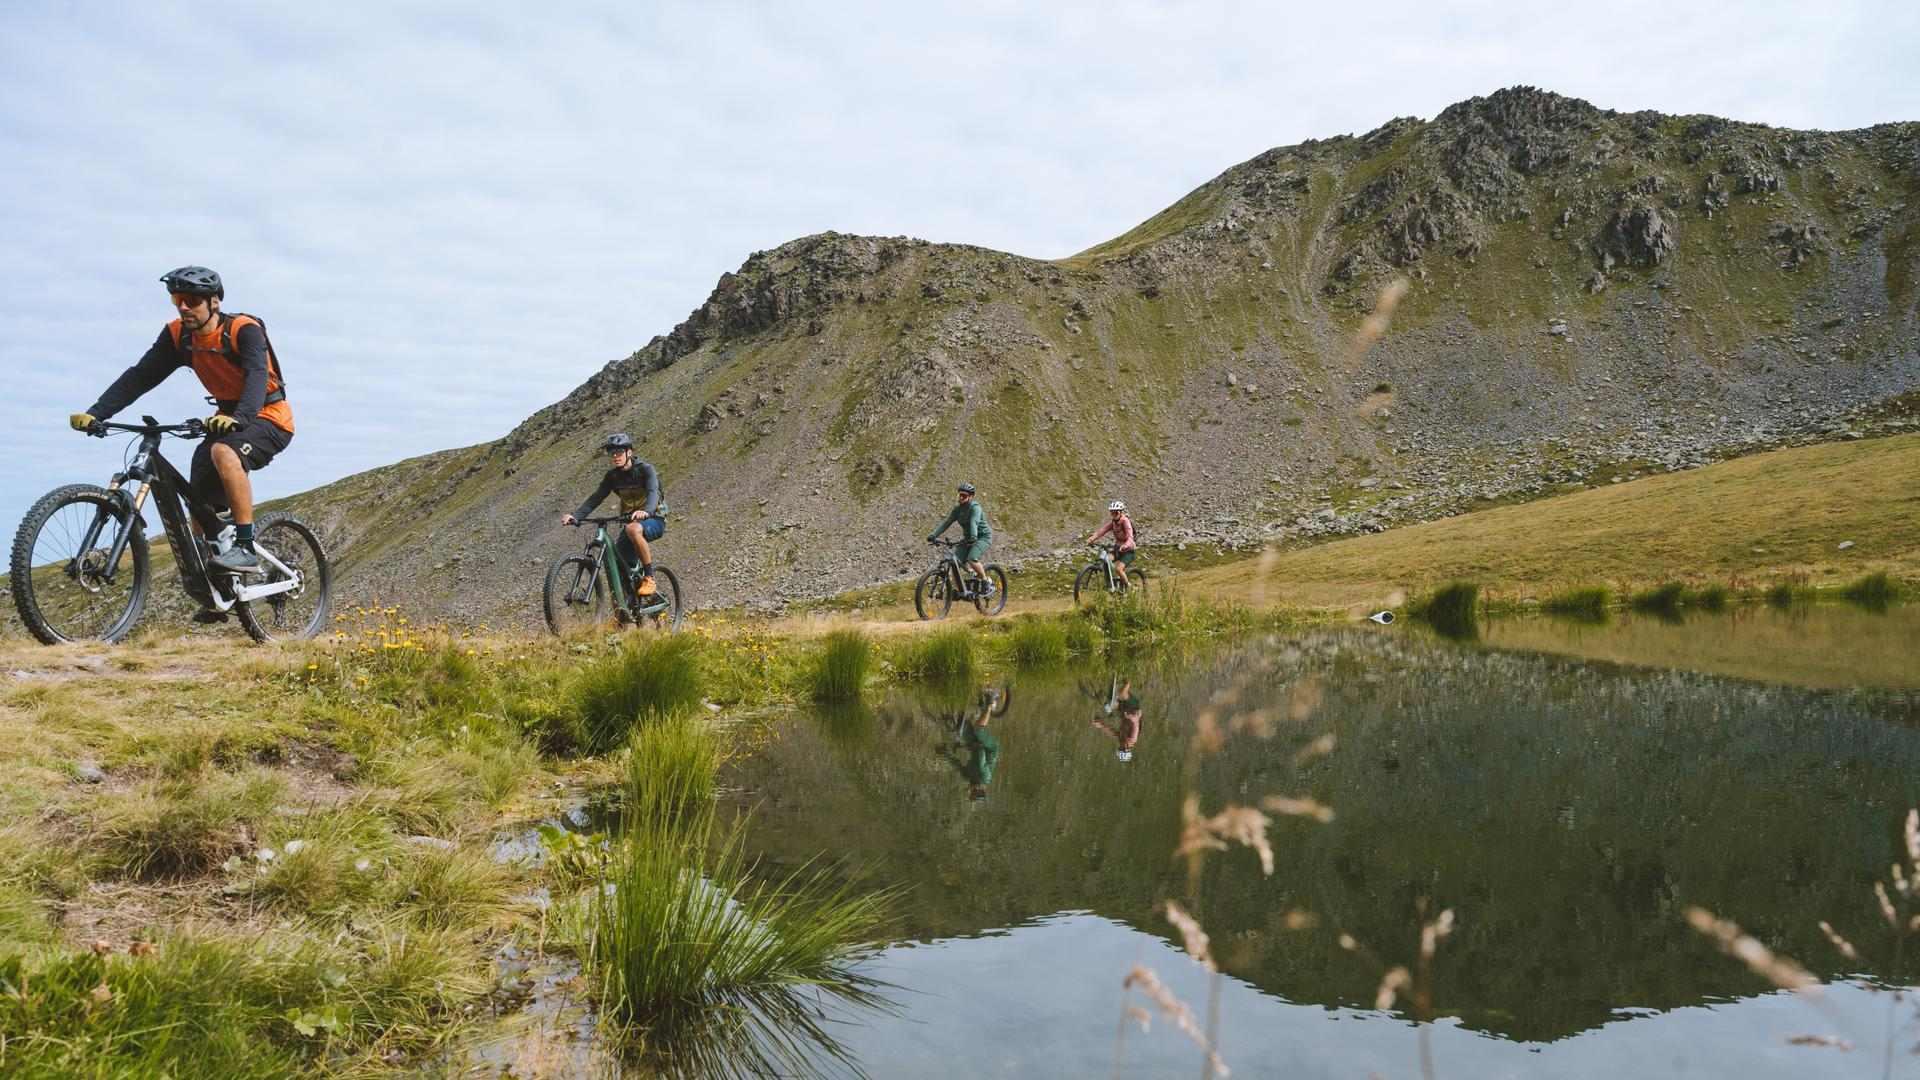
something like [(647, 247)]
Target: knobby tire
[(295, 544), (33, 603)]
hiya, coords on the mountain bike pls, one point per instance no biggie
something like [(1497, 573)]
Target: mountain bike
[(938, 588), (1100, 574), (81, 566), (582, 589)]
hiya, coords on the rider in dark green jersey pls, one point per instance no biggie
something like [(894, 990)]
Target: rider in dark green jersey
[(972, 519)]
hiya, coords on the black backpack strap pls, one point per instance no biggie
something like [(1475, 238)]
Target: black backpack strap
[(232, 352)]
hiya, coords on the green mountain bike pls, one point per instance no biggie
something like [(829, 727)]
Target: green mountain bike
[(1099, 578), (583, 591), (81, 569)]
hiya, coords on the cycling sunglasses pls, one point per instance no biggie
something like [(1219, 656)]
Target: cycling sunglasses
[(187, 300)]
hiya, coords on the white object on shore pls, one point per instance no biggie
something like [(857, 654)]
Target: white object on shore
[(1384, 618)]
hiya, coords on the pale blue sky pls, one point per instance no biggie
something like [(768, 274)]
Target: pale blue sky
[(451, 218)]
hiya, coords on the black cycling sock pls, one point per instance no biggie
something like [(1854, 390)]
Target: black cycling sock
[(243, 535)]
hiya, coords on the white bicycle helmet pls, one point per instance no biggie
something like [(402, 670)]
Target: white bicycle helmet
[(1117, 505)]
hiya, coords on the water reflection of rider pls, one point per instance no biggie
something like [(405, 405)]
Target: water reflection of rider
[(1127, 732), (981, 744)]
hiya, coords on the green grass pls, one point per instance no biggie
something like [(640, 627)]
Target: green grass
[(1622, 534), (1589, 603), (1664, 599), (671, 770), (1038, 643), (942, 656), (242, 1006), (643, 680), (1453, 609), (697, 963), (1874, 592), (1786, 594), (840, 671), (1713, 597), (183, 827)]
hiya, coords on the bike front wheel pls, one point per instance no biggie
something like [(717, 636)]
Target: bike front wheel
[(661, 611), (574, 597), (59, 577), (933, 594), (1090, 583), (299, 612), (994, 602)]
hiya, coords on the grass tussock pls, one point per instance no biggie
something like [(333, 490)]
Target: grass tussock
[(1664, 599), (1874, 592), (840, 671), (1713, 597), (699, 963), (1788, 594), (1589, 604), (671, 771), (180, 828), (643, 681), (1038, 643), (942, 656), (1453, 609)]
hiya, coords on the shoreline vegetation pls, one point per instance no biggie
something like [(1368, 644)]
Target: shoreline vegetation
[(301, 859), (290, 860)]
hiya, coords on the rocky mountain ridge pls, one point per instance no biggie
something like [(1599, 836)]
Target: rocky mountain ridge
[(1592, 294)]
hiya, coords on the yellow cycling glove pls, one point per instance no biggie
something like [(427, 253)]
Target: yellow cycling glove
[(81, 421), (221, 423)]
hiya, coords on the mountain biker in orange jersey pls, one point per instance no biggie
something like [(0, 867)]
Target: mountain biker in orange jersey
[(1121, 526), (252, 422), (972, 519), (638, 485)]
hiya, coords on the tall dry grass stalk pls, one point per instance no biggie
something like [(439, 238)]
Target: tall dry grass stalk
[(1148, 983), (1781, 971), (1379, 321)]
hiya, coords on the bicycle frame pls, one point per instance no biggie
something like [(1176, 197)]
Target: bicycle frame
[(173, 499), (603, 548)]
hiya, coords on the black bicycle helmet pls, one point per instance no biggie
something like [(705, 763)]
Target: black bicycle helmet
[(966, 489), (619, 440), (194, 281)]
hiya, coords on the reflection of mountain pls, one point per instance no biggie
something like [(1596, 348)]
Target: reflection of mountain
[(1566, 812)]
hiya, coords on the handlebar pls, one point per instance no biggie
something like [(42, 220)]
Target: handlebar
[(192, 428), (604, 520)]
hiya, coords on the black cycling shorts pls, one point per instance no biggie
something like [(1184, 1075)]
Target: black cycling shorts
[(256, 442)]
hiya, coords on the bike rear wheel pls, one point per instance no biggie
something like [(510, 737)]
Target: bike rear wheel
[(297, 613), (58, 606), (1137, 583), (662, 611), (933, 594), (996, 602), (574, 597)]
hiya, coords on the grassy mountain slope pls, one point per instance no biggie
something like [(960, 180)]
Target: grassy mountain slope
[(1592, 294), (1749, 520)]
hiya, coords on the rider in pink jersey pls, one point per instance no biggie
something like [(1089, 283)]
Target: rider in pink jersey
[(1121, 526)]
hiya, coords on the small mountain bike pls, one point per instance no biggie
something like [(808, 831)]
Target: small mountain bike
[(81, 567), (583, 589), (1099, 578), (938, 588)]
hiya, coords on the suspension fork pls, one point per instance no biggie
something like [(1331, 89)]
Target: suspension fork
[(131, 506)]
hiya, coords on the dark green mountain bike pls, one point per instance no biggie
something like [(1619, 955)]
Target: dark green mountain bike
[(938, 588), (584, 591), (81, 570)]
